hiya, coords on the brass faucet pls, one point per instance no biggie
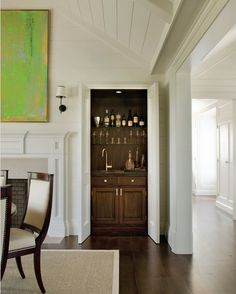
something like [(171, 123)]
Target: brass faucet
[(107, 165)]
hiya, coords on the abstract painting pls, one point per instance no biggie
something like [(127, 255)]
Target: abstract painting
[(24, 65)]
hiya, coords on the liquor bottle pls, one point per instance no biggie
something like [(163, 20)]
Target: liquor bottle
[(123, 121), (106, 120), (141, 121), (112, 118), (129, 164), (130, 119), (118, 120), (135, 120)]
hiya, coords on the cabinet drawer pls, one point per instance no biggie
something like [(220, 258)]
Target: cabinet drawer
[(104, 181), (132, 181)]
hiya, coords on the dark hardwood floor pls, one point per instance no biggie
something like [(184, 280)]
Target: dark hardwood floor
[(147, 268)]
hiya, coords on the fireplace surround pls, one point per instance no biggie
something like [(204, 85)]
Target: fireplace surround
[(20, 148)]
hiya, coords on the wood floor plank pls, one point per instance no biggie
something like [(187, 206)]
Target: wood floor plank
[(148, 268)]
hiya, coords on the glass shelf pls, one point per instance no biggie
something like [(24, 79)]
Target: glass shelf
[(119, 136), (118, 128), (119, 144)]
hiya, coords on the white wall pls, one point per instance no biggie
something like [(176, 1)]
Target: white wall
[(225, 122), (75, 54), (204, 153)]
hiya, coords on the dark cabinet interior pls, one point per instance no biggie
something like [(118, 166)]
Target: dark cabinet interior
[(119, 196)]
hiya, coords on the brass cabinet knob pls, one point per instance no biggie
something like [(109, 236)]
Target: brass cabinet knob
[(105, 180), (132, 181)]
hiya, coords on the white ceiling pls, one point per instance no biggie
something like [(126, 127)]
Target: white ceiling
[(200, 104), (105, 40), (220, 62), (125, 39), (137, 28), (214, 70)]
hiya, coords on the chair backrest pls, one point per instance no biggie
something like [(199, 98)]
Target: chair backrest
[(5, 207), (3, 177), (39, 202)]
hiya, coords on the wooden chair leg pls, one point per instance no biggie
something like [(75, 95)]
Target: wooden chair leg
[(20, 268), (37, 270), (3, 267)]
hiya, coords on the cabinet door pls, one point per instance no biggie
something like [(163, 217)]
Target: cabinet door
[(105, 206), (133, 205)]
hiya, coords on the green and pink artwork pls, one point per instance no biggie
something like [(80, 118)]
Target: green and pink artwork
[(24, 72)]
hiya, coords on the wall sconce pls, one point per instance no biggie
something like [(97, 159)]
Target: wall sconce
[(61, 93)]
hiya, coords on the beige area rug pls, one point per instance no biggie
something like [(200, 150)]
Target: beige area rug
[(66, 272)]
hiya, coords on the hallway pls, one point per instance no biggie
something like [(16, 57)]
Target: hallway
[(146, 268), (214, 245)]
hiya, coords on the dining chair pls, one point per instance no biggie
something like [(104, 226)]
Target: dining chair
[(3, 182), (29, 237), (5, 207), (3, 177)]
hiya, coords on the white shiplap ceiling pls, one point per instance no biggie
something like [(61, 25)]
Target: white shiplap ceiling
[(215, 75), (137, 28), (105, 40)]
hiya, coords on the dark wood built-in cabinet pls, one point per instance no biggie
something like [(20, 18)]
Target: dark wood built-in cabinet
[(119, 197), (119, 205)]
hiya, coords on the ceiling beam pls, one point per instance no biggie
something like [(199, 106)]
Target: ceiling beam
[(162, 8)]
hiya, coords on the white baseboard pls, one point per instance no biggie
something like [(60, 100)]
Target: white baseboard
[(73, 227), (226, 208), (205, 192), (179, 245), (56, 227)]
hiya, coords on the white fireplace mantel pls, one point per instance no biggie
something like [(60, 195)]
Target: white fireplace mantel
[(52, 146)]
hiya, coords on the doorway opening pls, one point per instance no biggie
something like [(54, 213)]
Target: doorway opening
[(212, 151)]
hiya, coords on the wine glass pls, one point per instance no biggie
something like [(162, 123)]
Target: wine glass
[(97, 120)]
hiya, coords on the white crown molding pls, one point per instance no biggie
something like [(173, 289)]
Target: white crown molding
[(202, 22)]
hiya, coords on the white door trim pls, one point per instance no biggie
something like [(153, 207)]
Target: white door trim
[(180, 238), (153, 157)]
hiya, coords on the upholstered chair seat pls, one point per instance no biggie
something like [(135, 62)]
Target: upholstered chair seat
[(21, 239)]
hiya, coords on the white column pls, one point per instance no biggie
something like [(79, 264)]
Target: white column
[(180, 231)]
